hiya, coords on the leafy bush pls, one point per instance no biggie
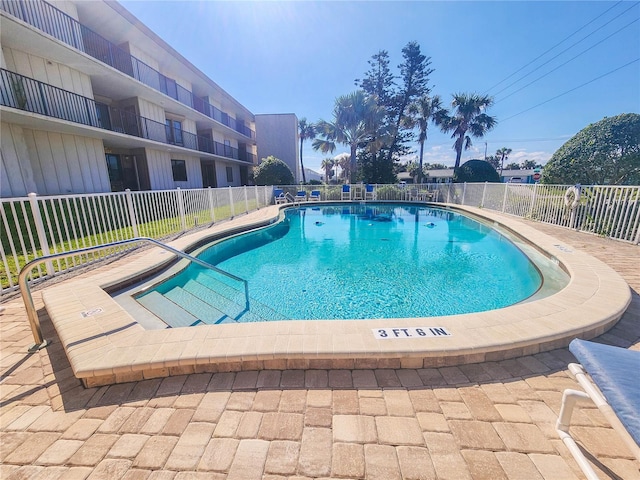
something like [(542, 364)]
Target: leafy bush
[(603, 153), (273, 171), (476, 171)]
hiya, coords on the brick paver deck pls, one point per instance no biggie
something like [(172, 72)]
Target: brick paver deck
[(493, 420)]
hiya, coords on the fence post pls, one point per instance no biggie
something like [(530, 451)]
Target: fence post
[(257, 197), (533, 200), (448, 192), (246, 200), (42, 236), (132, 213), (504, 198), (183, 220), (484, 192), (464, 192), (232, 210), (211, 205)]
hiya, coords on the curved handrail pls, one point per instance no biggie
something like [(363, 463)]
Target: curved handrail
[(25, 291)]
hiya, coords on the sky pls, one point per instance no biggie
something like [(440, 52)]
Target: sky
[(552, 67)]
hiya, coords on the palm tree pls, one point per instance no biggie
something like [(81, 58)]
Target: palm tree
[(426, 109), (307, 131), (503, 154), (468, 116), (327, 165), (356, 117)]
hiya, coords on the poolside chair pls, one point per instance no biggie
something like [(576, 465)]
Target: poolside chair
[(301, 196), (314, 196), (607, 374), (369, 192), (279, 196), (346, 192)]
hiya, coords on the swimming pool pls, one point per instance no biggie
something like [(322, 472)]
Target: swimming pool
[(352, 261)]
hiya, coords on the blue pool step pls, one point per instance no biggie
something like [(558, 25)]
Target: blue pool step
[(213, 299), (172, 314), (206, 300), (200, 309)]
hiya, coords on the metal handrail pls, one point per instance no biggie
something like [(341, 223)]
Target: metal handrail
[(25, 291)]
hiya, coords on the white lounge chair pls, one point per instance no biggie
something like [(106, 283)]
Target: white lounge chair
[(608, 376), (369, 192), (279, 196), (301, 196), (346, 192), (314, 196)]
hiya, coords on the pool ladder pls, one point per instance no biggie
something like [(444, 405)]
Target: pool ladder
[(25, 291)]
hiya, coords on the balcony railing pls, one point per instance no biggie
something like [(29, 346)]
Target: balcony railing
[(58, 24), (31, 95)]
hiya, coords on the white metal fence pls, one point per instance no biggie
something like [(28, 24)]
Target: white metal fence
[(610, 211), (33, 226)]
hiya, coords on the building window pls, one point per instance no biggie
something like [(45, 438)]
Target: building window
[(174, 131), (179, 168), (229, 174)]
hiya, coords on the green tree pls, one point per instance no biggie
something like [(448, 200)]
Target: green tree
[(425, 110), (413, 169), (476, 171), (273, 171), (356, 118), (468, 117), (512, 166), (327, 166), (414, 72), (395, 129), (528, 164), (503, 154), (494, 161), (306, 131), (435, 166), (603, 153)]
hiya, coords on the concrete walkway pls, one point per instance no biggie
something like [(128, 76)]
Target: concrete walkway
[(493, 420)]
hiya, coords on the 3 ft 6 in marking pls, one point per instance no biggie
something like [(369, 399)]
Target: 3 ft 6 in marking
[(410, 332)]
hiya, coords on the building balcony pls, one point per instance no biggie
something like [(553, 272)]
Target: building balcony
[(27, 94), (66, 29)]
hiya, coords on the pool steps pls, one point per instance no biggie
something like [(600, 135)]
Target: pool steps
[(205, 300), (171, 313)]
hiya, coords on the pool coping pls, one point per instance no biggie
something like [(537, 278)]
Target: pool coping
[(106, 345)]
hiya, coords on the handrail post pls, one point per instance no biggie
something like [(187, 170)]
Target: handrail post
[(42, 236), (132, 213), (180, 202)]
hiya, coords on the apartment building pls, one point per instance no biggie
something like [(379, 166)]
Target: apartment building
[(91, 100)]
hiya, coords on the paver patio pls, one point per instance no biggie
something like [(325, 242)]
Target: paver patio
[(493, 420)]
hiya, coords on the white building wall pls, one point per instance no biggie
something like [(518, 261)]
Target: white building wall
[(16, 174), (50, 163), (151, 110), (189, 125), (143, 56), (221, 174), (67, 7), (47, 71), (277, 135), (161, 174)]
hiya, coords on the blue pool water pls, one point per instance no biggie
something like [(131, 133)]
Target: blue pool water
[(364, 261)]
